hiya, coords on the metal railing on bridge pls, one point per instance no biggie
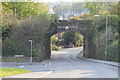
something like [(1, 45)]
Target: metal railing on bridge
[(68, 27)]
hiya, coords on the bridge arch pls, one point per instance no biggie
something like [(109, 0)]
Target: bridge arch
[(66, 43), (84, 27)]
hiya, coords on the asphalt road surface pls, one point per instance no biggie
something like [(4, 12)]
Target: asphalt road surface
[(65, 64)]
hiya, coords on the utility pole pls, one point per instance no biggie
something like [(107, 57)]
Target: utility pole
[(106, 36)]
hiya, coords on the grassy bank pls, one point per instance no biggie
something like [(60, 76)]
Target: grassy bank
[(11, 71)]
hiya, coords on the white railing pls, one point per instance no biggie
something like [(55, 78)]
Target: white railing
[(69, 27)]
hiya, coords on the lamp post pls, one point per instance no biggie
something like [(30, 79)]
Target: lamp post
[(106, 35), (30, 51)]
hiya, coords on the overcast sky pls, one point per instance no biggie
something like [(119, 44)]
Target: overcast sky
[(61, 0), (58, 0), (77, 0)]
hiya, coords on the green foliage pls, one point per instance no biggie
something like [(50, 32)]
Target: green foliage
[(6, 30), (11, 47), (54, 39), (78, 39), (14, 59), (83, 17), (113, 51), (77, 7), (54, 17), (14, 12), (112, 21), (65, 39), (114, 8), (75, 38), (55, 43), (67, 8), (23, 9), (95, 7), (68, 37), (60, 9), (11, 71), (112, 44), (33, 22), (54, 47)]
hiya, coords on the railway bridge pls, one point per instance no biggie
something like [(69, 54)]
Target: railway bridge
[(84, 27)]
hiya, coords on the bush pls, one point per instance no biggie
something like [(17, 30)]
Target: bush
[(11, 48), (75, 38), (113, 51), (112, 45), (54, 47)]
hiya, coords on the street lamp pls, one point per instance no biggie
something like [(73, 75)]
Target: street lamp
[(31, 51), (106, 34)]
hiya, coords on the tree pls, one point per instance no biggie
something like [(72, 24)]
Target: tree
[(32, 23), (95, 7), (23, 9), (78, 40), (113, 7), (75, 38), (77, 7), (15, 12), (60, 9)]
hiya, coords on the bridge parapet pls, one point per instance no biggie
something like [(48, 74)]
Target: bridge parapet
[(75, 28), (68, 27)]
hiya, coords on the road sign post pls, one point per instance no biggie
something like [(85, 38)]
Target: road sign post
[(30, 51)]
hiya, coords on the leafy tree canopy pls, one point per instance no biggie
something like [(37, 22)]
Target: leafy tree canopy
[(95, 7), (22, 10)]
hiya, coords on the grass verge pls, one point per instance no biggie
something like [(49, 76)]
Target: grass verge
[(12, 59), (11, 71)]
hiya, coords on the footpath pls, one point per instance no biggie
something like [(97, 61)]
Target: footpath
[(116, 64)]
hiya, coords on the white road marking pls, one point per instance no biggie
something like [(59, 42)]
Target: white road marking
[(49, 71), (50, 66), (46, 74)]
